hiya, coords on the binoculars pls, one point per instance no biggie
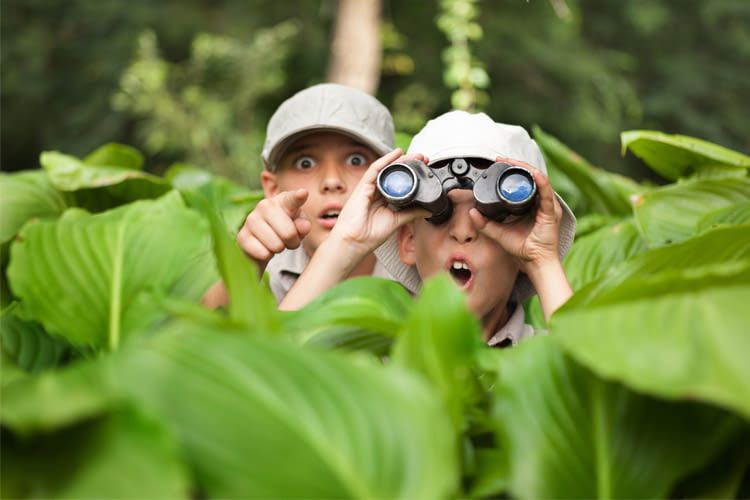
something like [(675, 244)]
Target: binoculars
[(499, 189)]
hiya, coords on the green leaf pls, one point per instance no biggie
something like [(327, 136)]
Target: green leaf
[(569, 434), (68, 173), (440, 341), (115, 155), (589, 223), (671, 322), (57, 398), (492, 475), (80, 275), (100, 187), (261, 418), (724, 475), (677, 156), (599, 252), (738, 213), (27, 344), (367, 308), (601, 192), (122, 455), (717, 249), (25, 196), (251, 303), (673, 213), (233, 201)]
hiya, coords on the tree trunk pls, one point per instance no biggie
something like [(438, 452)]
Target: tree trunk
[(356, 46)]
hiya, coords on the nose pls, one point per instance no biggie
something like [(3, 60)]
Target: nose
[(462, 230), (332, 179)]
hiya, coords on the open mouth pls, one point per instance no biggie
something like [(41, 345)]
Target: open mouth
[(460, 272), (328, 217), (331, 214)]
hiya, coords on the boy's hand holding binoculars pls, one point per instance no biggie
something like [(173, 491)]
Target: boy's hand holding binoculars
[(274, 225), (534, 239), (366, 221)]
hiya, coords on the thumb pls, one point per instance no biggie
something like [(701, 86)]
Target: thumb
[(292, 201)]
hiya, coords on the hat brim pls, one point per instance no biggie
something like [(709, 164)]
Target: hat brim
[(274, 157)]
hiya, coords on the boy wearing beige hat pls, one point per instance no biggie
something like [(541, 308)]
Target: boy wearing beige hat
[(319, 143), (497, 265)]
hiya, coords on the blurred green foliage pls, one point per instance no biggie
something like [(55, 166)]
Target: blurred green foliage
[(202, 83)]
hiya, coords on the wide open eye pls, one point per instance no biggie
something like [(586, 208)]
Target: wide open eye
[(356, 160), (304, 163)]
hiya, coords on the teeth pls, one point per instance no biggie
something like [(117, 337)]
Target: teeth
[(332, 213), (460, 265)]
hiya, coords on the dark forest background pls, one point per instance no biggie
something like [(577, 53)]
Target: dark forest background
[(196, 80)]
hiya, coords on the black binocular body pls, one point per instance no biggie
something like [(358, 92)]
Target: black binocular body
[(500, 189)]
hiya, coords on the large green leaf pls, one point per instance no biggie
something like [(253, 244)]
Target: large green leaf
[(57, 398), (258, 417), (597, 253), (673, 213), (569, 434), (723, 477), (24, 196), (440, 340), (676, 156), (121, 455), (99, 187), (80, 275), (719, 248), (115, 155), (671, 322), (599, 191), (738, 213), (359, 313), (233, 201), (251, 303), (27, 344)]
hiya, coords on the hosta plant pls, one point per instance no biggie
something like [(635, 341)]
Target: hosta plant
[(115, 382)]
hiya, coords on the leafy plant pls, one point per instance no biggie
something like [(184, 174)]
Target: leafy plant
[(115, 382)]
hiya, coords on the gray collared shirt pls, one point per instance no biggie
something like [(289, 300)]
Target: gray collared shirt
[(513, 331), (285, 267)]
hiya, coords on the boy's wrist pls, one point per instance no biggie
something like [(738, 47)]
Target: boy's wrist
[(538, 270), (345, 253)]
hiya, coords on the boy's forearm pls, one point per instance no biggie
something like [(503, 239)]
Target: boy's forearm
[(331, 264), (551, 285)]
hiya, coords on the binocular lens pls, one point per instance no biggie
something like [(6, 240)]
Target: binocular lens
[(516, 187), (397, 182)]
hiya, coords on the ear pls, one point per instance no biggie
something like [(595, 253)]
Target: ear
[(406, 247), (270, 183)]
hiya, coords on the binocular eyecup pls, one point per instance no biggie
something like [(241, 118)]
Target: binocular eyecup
[(499, 189)]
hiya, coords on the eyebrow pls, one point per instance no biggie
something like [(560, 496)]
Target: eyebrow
[(304, 145)]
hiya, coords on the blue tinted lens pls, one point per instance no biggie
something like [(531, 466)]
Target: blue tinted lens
[(516, 187), (397, 183)]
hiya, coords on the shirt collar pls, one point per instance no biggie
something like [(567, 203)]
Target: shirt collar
[(513, 331)]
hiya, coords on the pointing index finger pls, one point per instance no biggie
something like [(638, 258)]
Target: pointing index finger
[(292, 201)]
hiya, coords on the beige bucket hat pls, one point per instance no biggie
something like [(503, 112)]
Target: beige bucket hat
[(328, 107), (458, 134)]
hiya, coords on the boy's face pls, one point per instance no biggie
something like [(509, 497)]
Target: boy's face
[(479, 265), (328, 165)]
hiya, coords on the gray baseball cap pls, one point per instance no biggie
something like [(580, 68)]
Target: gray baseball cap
[(328, 107), (458, 134)]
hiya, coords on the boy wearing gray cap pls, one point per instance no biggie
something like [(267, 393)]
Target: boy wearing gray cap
[(319, 143), (497, 265)]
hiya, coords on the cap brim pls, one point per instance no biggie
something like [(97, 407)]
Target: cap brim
[(281, 146)]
